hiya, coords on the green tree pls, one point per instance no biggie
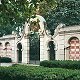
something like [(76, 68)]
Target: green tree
[(14, 13), (47, 9), (68, 12), (60, 11)]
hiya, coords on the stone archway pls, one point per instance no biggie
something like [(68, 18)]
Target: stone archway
[(19, 52), (74, 48)]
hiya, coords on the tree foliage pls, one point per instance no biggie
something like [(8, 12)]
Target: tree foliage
[(47, 9), (68, 12), (14, 13), (65, 11)]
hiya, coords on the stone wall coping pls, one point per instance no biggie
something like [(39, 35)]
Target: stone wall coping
[(66, 29), (70, 28), (8, 37)]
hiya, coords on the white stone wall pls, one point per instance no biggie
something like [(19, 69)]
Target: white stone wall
[(61, 38), (8, 52)]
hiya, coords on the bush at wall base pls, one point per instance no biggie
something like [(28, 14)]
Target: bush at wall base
[(68, 64), (5, 60)]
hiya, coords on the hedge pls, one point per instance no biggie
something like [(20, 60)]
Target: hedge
[(68, 64), (20, 72), (5, 60)]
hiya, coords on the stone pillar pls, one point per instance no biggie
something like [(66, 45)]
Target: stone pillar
[(41, 47), (25, 44), (60, 52), (25, 52), (44, 55), (15, 50)]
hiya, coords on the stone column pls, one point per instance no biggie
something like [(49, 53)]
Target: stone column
[(15, 49), (44, 55), (25, 52), (41, 47), (25, 46)]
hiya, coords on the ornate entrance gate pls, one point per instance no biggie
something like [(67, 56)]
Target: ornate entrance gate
[(35, 49)]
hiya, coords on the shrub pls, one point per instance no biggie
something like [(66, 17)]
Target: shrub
[(68, 64), (5, 60), (22, 72)]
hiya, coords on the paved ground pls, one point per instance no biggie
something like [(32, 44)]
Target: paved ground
[(10, 64), (6, 64)]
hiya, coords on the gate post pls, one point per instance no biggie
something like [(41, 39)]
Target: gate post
[(25, 52), (44, 55), (41, 47), (25, 41)]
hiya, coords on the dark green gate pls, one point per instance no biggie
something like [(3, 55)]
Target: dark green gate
[(34, 48), (51, 50)]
